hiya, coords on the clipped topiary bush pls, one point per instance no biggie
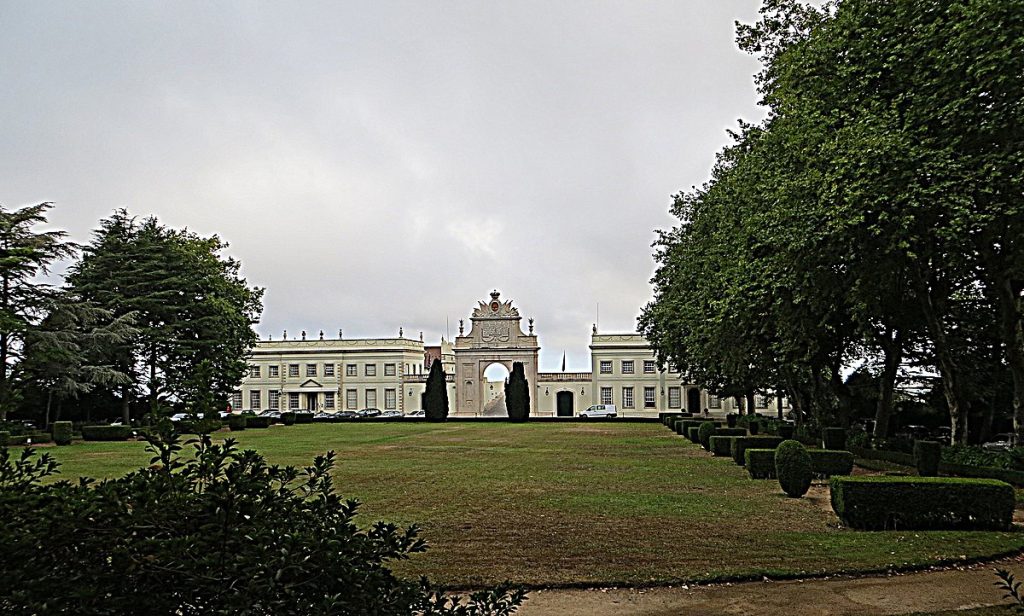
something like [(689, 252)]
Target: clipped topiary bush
[(106, 433), (753, 426), (786, 431), (731, 420), (257, 421), (237, 422), (833, 438), (704, 434), (742, 443), (793, 468), (62, 432), (303, 418), (922, 503), (760, 463), (828, 463), (721, 445), (927, 455), (693, 433), (690, 423), (288, 418), (677, 426)]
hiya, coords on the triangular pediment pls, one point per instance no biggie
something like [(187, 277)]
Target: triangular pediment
[(310, 383)]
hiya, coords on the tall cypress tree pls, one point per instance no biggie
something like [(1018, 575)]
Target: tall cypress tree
[(517, 394), (435, 399)]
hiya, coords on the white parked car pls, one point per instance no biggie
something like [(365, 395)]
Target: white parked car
[(180, 417), (600, 410), (416, 414), (1000, 441)]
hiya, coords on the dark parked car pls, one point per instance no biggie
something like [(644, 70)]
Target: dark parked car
[(346, 415), (371, 412)]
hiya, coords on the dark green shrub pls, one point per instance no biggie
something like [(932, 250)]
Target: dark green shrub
[(760, 463), (922, 503), (828, 463), (199, 426), (257, 421), (303, 418), (435, 396), (927, 455), (677, 426), (211, 520), (517, 394), (742, 443), (5, 438), (753, 426), (786, 431), (833, 438), (62, 432), (721, 445), (106, 433), (731, 420), (793, 468), (237, 422), (288, 418), (693, 433), (704, 434), (972, 455), (690, 423)]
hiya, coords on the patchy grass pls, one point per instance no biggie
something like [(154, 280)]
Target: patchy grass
[(576, 504)]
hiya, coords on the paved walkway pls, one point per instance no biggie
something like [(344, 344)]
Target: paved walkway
[(950, 589)]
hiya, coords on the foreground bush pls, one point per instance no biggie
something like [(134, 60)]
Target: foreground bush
[(793, 468), (219, 533), (106, 433), (922, 503)]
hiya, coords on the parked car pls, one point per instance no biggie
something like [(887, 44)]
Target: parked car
[(599, 410), (371, 412), (1000, 441), (322, 416), (391, 414), (416, 414), (943, 435), (346, 415), (271, 413)]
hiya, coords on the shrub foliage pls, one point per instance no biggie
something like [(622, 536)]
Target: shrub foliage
[(793, 468), (741, 443), (704, 434), (760, 463), (927, 455), (106, 433)]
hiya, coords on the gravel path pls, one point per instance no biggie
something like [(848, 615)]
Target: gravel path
[(948, 589)]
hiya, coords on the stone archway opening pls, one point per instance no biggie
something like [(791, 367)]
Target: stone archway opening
[(565, 404), (495, 377)]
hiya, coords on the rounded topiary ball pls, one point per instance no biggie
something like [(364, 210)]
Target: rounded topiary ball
[(704, 434), (793, 468)]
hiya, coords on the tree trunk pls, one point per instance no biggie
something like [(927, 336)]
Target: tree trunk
[(125, 407), (892, 346), (778, 403), (948, 370), (49, 402), (751, 407), (1011, 330)]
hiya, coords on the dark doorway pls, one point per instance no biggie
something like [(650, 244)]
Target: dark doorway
[(564, 399), (693, 400), (311, 402)]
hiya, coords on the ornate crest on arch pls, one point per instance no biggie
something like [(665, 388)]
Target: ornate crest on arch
[(495, 308)]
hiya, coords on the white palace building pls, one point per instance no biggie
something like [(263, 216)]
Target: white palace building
[(338, 374)]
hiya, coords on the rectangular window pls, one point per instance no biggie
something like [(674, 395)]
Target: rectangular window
[(328, 369), (606, 368), (371, 398), (273, 371), (606, 395), (293, 369), (627, 366), (389, 369), (293, 400), (275, 399), (627, 397), (675, 398), (390, 399), (329, 400), (648, 397), (310, 369), (714, 402), (351, 399), (254, 372), (350, 370), (370, 370), (649, 366), (761, 402), (255, 403), (236, 401)]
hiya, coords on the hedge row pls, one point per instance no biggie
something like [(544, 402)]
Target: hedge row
[(741, 443), (722, 445), (257, 421), (961, 470), (106, 433), (760, 463), (922, 503)]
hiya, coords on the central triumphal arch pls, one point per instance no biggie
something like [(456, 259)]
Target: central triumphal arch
[(495, 337)]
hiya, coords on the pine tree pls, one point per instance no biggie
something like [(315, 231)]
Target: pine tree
[(517, 394), (435, 399)]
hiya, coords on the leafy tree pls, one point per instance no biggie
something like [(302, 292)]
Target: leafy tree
[(221, 532), (25, 253), (192, 306), (517, 393), (435, 398)]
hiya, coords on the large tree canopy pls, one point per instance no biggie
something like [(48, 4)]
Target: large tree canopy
[(191, 307)]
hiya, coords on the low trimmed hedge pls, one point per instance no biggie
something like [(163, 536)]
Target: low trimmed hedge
[(677, 426), (693, 433), (828, 462), (741, 443), (786, 431), (927, 455), (760, 463), (922, 503), (256, 421), (690, 423), (721, 445), (106, 433), (288, 418), (238, 422), (303, 418), (704, 434), (62, 432)]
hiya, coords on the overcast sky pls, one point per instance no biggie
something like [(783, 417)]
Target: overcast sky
[(383, 164)]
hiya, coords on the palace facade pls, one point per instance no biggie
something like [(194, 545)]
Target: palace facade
[(335, 374)]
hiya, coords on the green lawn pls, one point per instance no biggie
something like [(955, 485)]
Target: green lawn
[(568, 504)]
